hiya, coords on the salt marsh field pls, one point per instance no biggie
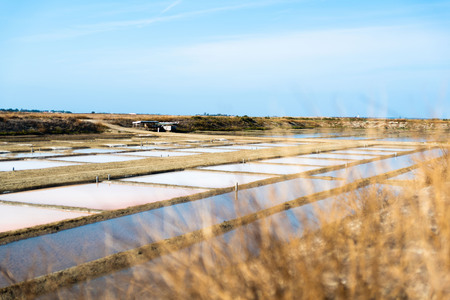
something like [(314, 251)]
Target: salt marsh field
[(70, 207)]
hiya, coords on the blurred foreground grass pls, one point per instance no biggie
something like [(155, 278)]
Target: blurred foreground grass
[(372, 243)]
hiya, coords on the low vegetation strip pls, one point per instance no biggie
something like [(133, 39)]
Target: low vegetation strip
[(14, 125)]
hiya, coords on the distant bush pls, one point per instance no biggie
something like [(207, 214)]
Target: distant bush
[(221, 123), (37, 126)]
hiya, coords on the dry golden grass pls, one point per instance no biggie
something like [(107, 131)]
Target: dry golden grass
[(372, 244)]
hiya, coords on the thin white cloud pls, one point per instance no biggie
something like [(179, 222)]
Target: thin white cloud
[(170, 6), (81, 30)]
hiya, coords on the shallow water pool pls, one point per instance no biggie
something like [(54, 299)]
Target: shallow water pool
[(393, 149), (276, 144), (99, 158), (31, 154), (411, 175), (297, 160), (363, 151), (95, 150), (243, 147), (14, 217), (157, 153), (381, 166), (262, 168), (73, 246), (337, 156), (101, 196), (207, 150), (198, 178), (32, 164)]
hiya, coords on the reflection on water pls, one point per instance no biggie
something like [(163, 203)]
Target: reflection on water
[(31, 154), (307, 135), (417, 138), (101, 196), (18, 165), (338, 156), (352, 137), (243, 147), (298, 160), (154, 153), (227, 248), (406, 139), (276, 144), (207, 150), (145, 147), (411, 175), (96, 150), (16, 217), (363, 151), (100, 158), (394, 149), (96, 240), (199, 178), (362, 135), (382, 166), (262, 168)]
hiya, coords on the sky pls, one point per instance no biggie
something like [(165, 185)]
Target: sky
[(337, 58)]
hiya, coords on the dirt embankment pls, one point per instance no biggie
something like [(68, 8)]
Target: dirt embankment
[(39, 124), (400, 124)]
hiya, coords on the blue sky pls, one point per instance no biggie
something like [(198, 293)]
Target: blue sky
[(261, 58)]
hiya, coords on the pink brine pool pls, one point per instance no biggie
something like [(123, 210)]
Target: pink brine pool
[(262, 168), (101, 196), (16, 217), (203, 179)]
